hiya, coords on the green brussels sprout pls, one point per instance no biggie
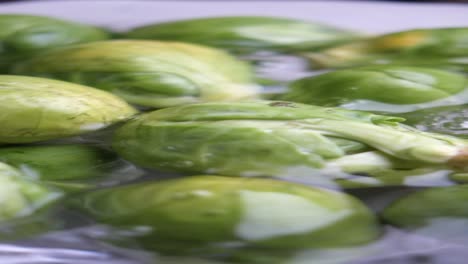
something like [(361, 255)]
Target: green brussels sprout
[(244, 33), (21, 197), (432, 211), (451, 120), (274, 138), (460, 177), (24, 35), (436, 47), (148, 73), (381, 88), (215, 209), (34, 109), (420, 207), (61, 162)]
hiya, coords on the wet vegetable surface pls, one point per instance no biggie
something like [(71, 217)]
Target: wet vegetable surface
[(149, 73), (45, 161), (88, 179), (22, 36), (400, 88), (438, 48), (420, 208), (242, 34), (250, 139), (21, 197), (208, 209), (36, 109)]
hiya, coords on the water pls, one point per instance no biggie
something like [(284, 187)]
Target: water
[(76, 239), (450, 120)]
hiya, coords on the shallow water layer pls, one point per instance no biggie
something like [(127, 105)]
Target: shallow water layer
[(87, 245), (75, 239)]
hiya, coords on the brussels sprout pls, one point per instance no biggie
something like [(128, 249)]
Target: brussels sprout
[(61, 162), (420, 207), (214, 209), (460, 177), (35, 109), (20, 197), (381, 88), (273, 137), (437, 47), (242, 34), (451, 120), (427, 207), (149, 73), (24, 35)]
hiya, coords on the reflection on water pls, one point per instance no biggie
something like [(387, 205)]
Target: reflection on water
[(75, 246), (79, 247)]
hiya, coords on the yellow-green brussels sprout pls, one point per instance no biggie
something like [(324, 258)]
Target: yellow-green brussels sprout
[(436, 47), (214, 209), (149, 73), (34, 109)]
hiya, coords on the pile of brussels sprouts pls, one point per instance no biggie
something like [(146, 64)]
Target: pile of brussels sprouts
[(165, 131)]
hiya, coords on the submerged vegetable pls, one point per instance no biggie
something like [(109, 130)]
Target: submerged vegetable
[(35, 109), (209, 209), (19, 196), (149, 73), (245, 33), (428, 206), (24, 35), (61, 162), (277, 138), (381, 88), (436, 47)]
